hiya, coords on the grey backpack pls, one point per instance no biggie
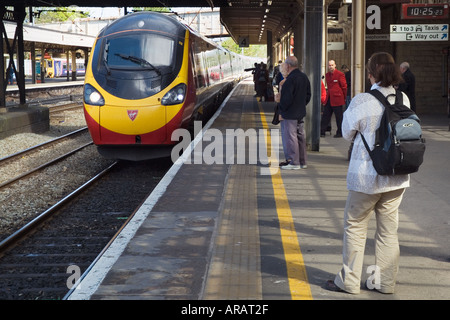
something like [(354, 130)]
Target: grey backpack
[(399, 147)]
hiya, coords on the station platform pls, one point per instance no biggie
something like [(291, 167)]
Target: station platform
[(24, 119), (48, 84), (15, 118), (233, 231)]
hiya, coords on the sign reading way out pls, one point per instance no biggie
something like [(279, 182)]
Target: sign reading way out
[(419, 32)]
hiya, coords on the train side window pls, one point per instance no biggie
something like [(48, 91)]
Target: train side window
[(199, 65)]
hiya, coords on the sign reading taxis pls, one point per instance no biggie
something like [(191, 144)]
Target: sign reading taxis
[(419, 32)]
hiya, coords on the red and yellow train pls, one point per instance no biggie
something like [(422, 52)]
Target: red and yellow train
[(148, 75)]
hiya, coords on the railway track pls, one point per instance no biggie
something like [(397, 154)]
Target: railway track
[(32, 159), (57, 112), (33, 180), (28, 228), (37, 258)]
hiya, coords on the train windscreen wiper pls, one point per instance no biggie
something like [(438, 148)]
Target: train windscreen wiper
[(108, 69), (139, 61), (105, 57)]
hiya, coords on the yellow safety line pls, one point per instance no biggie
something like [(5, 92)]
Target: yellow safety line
[(296, 269)]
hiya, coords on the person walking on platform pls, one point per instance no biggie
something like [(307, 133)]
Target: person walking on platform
[(295, 95), (337, 93), (368, 191)]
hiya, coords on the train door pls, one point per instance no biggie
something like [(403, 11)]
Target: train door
[(49, 68), (58, 68)]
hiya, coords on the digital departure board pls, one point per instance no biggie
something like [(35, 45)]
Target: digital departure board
[(424, 11)]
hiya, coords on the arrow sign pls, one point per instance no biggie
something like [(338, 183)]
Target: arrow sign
[(419, 32)]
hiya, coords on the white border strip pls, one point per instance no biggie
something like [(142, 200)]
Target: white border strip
[(89, 283)]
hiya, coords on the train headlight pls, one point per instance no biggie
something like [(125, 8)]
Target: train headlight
[(175, 95), (92, 96)]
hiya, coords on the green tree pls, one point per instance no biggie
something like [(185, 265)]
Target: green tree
[(156, 9), (251, 51), (53, 14)]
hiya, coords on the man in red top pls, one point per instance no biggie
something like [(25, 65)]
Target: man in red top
[(337, 91)]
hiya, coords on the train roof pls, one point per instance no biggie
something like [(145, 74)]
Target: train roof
[(154, 21), (144, 21)]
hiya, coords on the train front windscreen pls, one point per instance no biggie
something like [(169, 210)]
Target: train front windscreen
[(136, 65)]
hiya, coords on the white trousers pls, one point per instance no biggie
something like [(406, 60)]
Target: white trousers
[(358, 211)]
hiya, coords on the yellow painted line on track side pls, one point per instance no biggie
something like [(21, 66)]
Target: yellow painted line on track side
[(296, 269)]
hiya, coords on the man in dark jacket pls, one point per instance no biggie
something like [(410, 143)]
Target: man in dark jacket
[(409, 86), (295, 95)]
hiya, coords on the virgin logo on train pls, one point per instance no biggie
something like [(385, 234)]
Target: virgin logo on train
[(132, 114)]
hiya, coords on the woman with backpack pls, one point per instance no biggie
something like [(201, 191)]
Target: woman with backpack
[(370, 192)]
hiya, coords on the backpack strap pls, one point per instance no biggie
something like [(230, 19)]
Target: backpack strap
[(384, 99), (365, 143), (377, 94), (398, 97)]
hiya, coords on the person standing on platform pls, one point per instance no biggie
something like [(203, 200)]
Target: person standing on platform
[(255, 73), (348, 79), (262, 78), (295, 95), (337, 92), (283, 74), (277, 76), (323, 94), (370, 192), (409, 84)]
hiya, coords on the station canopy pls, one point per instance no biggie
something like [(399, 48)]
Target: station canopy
[(248, 19)]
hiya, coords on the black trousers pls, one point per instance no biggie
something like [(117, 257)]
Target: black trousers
[(326, 117)]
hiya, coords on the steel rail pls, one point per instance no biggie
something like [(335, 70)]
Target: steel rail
[(33, 148), (4, 184), (47, 214)]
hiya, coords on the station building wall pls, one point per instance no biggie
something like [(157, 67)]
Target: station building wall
[(428, 59)]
